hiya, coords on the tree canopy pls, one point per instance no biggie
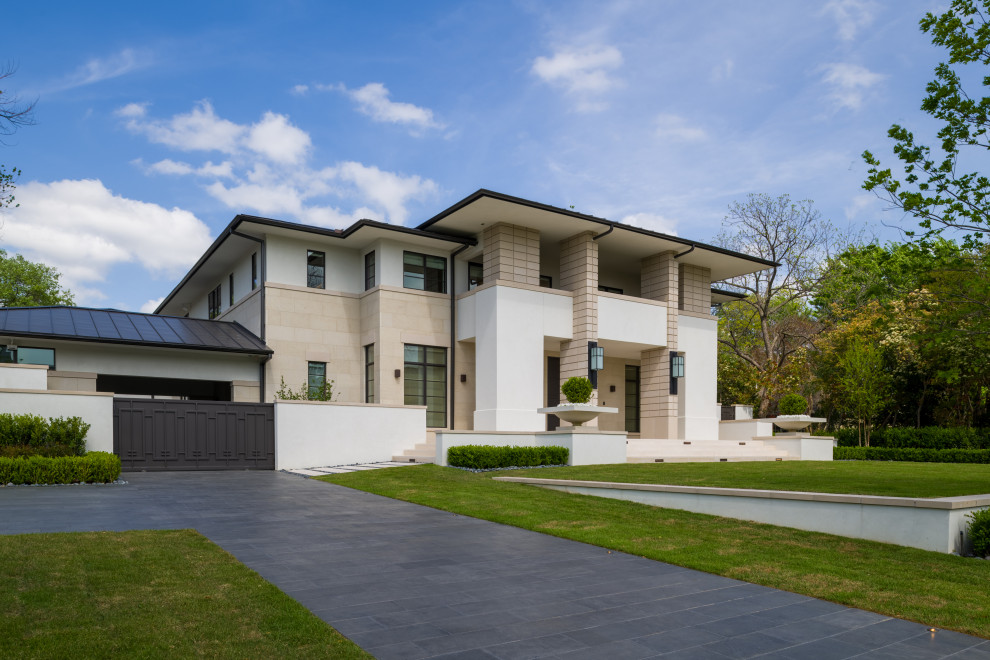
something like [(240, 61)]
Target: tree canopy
[(25, 283)]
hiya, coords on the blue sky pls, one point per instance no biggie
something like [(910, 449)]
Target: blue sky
[(158, 122)]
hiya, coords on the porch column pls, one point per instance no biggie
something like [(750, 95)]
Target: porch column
[(658, 407), (511, 253), (579, 273)]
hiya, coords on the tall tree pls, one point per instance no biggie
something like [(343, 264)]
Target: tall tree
[(13, 112), (932, 188), (24, 283)]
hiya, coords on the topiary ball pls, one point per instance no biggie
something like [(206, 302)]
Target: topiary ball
[(577, 389), (792, 404)]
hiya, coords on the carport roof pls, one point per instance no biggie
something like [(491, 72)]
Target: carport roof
[(110, 326)]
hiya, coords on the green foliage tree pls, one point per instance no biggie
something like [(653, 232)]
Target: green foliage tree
[(7, 186), (322, 392), (864, 383), (25, 283), (931, 188)]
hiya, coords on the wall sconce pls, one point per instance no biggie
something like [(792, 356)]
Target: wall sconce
[(611, 388), (596, 362), (676, 369), (463, 378), (398, 373)]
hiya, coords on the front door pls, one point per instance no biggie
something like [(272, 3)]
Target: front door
[(553, 391)]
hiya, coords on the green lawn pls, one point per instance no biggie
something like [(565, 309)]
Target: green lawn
[(855, 477), (933, 588), (148, 594)]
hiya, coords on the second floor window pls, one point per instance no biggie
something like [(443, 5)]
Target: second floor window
[(476, 275), (316, 379), (424, 272), (316, 268), (369, 270), (254, 271), (213, 303), (230, 289)]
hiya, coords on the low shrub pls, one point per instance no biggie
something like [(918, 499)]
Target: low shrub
[(487, 457), (792, 404), (577, 389), (929, 437), (94, 467), (979, 532), (914, 455), (37, 432), (45, 450)]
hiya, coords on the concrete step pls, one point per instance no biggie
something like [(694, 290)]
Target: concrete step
[(424, 452), (680, 451), (706, 459)]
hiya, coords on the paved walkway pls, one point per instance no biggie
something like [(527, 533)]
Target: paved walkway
[(409, 582), (341, 469)]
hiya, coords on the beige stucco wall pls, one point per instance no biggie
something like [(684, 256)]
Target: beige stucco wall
[(72, 381)]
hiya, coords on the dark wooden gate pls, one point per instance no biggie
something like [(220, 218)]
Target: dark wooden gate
[(163, 434)]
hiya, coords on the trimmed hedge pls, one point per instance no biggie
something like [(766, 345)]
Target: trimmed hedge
[(930, 437), (94, 467), (487, 457), (911, 454), (979, 532), (34, 431)]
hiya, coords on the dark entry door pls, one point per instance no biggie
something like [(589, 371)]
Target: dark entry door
[(163, 434), (553, 391)]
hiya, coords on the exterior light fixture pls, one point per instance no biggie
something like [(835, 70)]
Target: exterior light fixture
[(596, 362), (398, 372), (676, 369)]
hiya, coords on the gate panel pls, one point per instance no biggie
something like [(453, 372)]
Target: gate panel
[(163, 434)]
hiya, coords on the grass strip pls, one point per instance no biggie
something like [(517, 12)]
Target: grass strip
[(929, 587), (851, 477), (148, 594)]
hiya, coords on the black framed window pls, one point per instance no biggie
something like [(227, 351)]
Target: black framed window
[(476, 275), (213, 303), (316, 378), (369, 270), (609, 289), (254, 271), (27, 355), (230, 289), (546, 281), (369, 373), (316, 269), (424, 272), (632, 398), (426, 382)]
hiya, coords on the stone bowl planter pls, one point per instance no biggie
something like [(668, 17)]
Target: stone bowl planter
[(577, 413), (794, 423)]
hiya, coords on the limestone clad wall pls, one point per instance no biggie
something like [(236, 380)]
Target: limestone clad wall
[(695, 289), (511, 253), (579, 274)]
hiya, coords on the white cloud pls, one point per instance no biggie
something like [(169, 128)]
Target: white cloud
[(850, 15), (98, 69), (208, 169), (151, 305), (300, 90), (390, 190), (132, 110), (858, 204), (277, 139), (198, 130), (677, 128), (373, 100), (651, 221), (83, 229), (849, 83), (584, 73)]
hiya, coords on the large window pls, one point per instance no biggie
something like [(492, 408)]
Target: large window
[(424, 272), (24, 355), (316, 379), (369, 270), (632, 399), (476, 275), (254, 271), (316, 269), (426, 382), (213, 303), (369, 373)]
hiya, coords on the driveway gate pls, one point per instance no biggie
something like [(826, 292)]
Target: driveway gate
[(164, 434)]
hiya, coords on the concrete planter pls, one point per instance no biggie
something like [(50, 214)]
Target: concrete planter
[(577, 413), (794, 423)]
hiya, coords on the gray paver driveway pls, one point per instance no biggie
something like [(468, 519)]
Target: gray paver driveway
[(406, 581)]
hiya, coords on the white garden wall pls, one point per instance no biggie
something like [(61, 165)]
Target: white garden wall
[(24, 376), (584, 447), (95, 408)]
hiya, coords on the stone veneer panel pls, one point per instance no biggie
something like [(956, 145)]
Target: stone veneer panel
[(658, 408), (579, 273), (511, 253), (695, 289)]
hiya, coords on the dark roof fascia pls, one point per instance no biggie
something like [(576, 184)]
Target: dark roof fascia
[(582, 216), (131, 342), (320, 231), (731, 294)]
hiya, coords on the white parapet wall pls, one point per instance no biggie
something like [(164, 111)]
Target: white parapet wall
[(24, 376), (95, 408), (585, 447), (937, 524), (804, 447), (315, 433)]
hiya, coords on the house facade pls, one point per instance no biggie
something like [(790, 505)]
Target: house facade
[(479, 314)]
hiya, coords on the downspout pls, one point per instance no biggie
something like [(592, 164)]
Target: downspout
[(604, 233), (264, 266), (687, 251), (453, 330)]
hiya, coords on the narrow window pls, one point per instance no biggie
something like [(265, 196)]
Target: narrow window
[(317, 378), (213, 303), (476, 275), (254, 271), (426, 382), (424, 272), (369, 373), (316, 269), (609, 289), (230, 289), (546, 281), (632, 399), (25, 355), (369, 270)]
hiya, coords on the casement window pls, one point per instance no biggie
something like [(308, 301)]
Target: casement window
[(632, 399), (424, 272), (230, 289), (254, 271), (316, 378), (25, 355), (426, 382), (609, 289), (369, 270), (476, 275), (369, 373), (213, 303), (546, 281), (316, 269)]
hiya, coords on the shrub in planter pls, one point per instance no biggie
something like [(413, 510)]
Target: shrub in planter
[(792, 404), (577, 389), (979, 532), (911, 454), (487, 457), (96, 466), (34, 431), (45, 450)]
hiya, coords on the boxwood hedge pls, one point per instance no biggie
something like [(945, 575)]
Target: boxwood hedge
[(931, 437), (94, 467), (37, 432), (911, 454), (487, 457)]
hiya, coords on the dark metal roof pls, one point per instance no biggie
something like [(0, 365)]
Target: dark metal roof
[(111, 326)]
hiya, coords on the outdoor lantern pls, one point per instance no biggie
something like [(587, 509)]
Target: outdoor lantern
[(676, 369), (596, 362)]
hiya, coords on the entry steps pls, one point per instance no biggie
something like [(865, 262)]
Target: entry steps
[(645, 450), (424, 452)]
